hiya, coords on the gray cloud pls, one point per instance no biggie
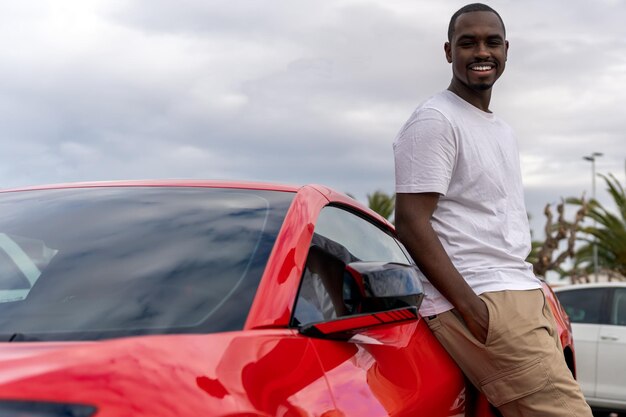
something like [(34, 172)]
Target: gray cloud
[(296, 92)]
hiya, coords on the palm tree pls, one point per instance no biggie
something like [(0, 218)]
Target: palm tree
[(608, 233), (382, 203)]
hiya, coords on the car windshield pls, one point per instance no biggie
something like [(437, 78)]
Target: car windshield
[(94, 263)]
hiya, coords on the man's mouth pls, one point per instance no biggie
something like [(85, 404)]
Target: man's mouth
[(482, 67)]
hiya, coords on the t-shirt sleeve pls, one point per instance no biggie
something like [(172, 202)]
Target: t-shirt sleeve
[(425, 153)]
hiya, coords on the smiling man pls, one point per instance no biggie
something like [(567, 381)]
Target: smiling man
[(460, 212)]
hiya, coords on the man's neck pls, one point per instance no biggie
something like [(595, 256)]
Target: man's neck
[(478, 99)]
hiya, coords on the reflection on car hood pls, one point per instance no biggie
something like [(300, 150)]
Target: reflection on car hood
[(11, 351), (168, 375)]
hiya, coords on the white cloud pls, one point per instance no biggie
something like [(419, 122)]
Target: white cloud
[(307, 91)]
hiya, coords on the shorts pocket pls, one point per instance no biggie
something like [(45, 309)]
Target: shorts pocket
[(515, 383), (491, 319)]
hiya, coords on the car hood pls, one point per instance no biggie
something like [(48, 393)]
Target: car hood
[(161, 375), (11, 351)]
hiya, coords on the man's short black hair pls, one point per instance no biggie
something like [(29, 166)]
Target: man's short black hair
[(474, 7)]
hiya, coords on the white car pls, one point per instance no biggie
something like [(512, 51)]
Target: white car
[(598, 316)]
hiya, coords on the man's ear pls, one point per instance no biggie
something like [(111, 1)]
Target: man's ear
[(506, 50), (448, 49)]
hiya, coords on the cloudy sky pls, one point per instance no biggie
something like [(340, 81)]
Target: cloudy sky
[(296, 91)]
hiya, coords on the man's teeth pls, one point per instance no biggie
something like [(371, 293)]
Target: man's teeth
[(482, 68)]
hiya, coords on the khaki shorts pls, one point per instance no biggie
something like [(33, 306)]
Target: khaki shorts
[(520, 367)]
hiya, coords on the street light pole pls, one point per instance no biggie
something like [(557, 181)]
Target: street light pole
[(592, 159)]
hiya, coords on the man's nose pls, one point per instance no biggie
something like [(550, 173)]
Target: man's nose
[(482, 51)]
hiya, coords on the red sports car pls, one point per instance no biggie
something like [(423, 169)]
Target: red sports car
[(197, 298)]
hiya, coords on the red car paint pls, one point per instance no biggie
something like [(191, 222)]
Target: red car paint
[(267, 369), (563, 326)]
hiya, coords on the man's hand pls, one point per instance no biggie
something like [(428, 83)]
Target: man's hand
[(477, 320)]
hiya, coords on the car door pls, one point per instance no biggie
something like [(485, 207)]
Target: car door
[(392, 370), (584, 306), (611, 367)]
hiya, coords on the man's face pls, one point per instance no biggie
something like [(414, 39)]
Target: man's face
[(477, 50)]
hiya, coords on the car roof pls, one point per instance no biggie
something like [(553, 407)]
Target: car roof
[(164, 183), (330, 194), (611, 284)]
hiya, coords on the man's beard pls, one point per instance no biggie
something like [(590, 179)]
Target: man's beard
[(481, 86)]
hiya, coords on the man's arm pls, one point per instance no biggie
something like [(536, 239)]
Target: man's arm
[(413, 213)]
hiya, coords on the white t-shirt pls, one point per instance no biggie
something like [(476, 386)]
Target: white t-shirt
[(470, 157)]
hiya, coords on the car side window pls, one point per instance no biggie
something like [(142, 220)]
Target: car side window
[(340, 237), (584, 305), (618, 312)]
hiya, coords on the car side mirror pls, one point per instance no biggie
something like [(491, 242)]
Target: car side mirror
[(374, 293), (378, 286)]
